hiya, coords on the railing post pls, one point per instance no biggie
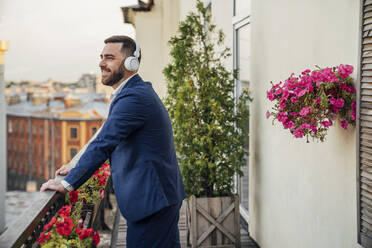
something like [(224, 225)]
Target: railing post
[(3, 49)]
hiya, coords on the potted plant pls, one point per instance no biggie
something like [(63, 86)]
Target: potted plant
[(307, 105), (209, 128)]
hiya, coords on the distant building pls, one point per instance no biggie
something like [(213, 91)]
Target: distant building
[(87, 81), (43, 137)]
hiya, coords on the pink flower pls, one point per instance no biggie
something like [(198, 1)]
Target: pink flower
[(270, 95), (285, 94), (353, 106), (302, 92), (307, 71), (318, 101), (282, 104), (293, 113), (298, 133), (353, 115), (305, 111), (288, 124), (328, 75), (345, 70), (326, 123), (305, 126), (344, 124), (282, 117), (267, 114), (313, 128), (294, 99), (338, 103), (279, 91)]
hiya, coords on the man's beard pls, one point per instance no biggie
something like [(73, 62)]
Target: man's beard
[(115, 77)]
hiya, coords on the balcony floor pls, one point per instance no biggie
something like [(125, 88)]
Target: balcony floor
[(246, 240)]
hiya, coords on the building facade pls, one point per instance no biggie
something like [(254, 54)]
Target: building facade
[(37, 146), (44, 135)]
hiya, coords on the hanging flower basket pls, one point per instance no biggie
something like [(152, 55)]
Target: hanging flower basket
[(307, 105)]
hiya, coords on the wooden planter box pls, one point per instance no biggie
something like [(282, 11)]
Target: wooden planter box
[(213, 221)]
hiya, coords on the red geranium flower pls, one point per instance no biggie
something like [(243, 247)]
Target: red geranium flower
[(74, 196), (64, 227), (50, 224), (43, 237), (83, 233), (96, 238), (65, 211)]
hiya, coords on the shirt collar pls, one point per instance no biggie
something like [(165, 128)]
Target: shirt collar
[(119, 88)]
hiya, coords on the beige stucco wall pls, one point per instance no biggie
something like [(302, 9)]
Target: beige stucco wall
[(301, 195), (153, 30)]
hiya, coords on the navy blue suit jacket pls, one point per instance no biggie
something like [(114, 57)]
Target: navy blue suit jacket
[(137, 137)]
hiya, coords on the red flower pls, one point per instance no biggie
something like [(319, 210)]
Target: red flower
[(65, 211), (83, 233), (96, 238), (64, 227), (43, 237), (74, 196), (50, 224)]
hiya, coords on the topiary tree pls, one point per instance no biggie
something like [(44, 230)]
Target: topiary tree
[(208, 124)]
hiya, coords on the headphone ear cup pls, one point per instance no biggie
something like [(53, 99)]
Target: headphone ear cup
[(131, 63)]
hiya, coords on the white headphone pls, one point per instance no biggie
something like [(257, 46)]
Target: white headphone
[(131, 63)]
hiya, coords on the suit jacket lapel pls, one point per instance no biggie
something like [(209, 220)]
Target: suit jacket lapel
[(129, 84)]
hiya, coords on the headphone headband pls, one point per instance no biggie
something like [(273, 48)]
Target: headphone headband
[(137, 51)]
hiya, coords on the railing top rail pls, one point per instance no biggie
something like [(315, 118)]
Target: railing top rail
[(19, 230)]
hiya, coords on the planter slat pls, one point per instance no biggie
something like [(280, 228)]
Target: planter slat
[(194, 229), (237, 220), (212, 227), (218, 225), (214, 222)]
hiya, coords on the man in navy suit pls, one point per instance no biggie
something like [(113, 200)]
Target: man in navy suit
[(137, 137)]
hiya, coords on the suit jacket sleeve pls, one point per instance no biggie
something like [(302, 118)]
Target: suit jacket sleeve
[(128, 113)]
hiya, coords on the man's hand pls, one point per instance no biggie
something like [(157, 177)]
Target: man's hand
[(64, 170), (53, 184)]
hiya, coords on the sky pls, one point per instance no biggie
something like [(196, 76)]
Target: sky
[(59, 40)]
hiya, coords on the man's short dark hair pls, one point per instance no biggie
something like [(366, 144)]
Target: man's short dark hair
[(128, 44)]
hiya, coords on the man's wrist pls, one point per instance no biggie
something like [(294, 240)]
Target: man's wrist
[(67, 186)]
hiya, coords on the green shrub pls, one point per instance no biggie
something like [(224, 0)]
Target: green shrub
[(208, 123)]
